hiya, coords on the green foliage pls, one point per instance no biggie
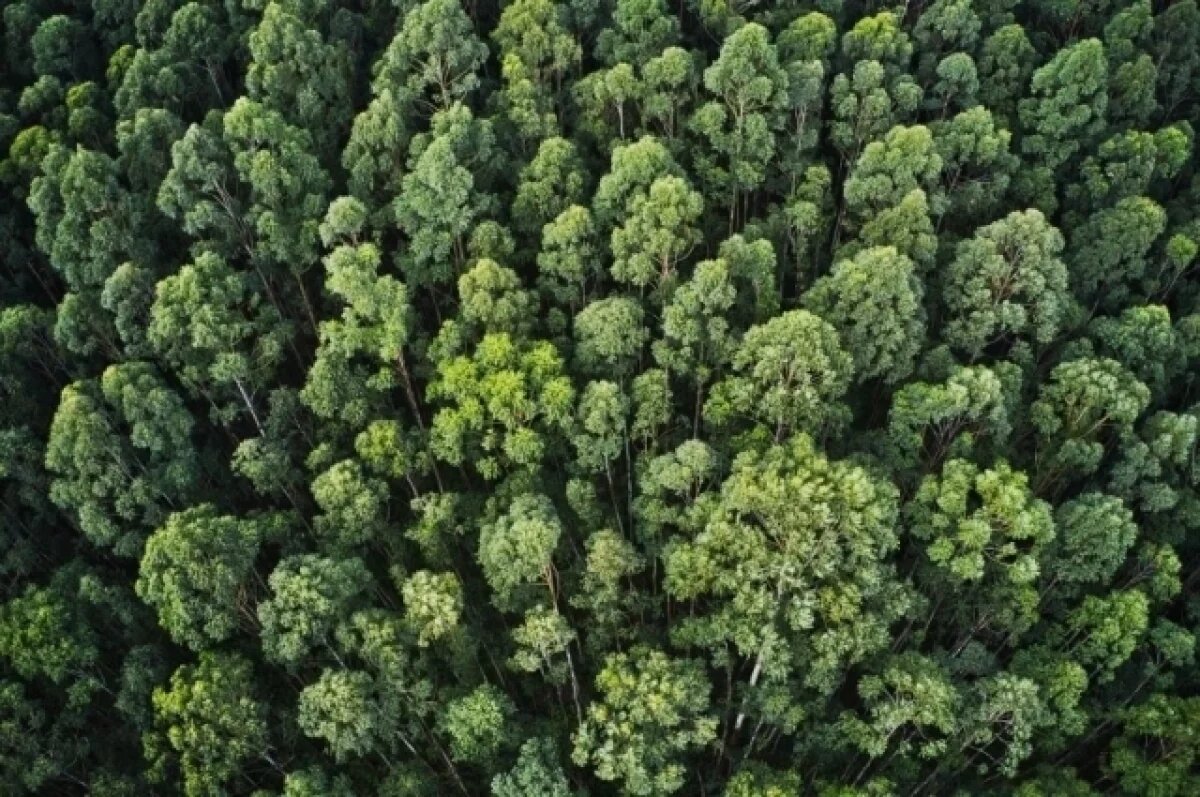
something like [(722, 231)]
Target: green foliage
[(309, 596), (789, 374), (197, 570), (209, 721), (120, 453), (595, 397), (651, 710), (874, 302), (338, 709), (1007, 283)]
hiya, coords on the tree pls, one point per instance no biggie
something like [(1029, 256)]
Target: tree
[(352, 504), (1095, 532), (756, 780), (790, 569), (87, 225), (42, 634), (535, 32), (440, 198), (657, 235), (476, 724), (550, 184), (569, 258), (1110, 249), (668, 84), (313, 781), (874, 302), (640, 30), (503, 404), (653, 708), (865, 103), (962, 416), (633, 168), (1083, 405), (294, 71), (23, 751), (287, 187), (197, 573), (433, 604), (944, 27), (537, 771), (984, 533), (435, 54), (697, 341), (217, 333), (611, 561), (339, 709), (789, 375), (1156, 751), (361, 356), (610, 336), (1006, 62), (603, 433), (1065, 111), (804, 50), (887, 170), (309, 596), (977, 166), (913, 702), (120, 451), (739, 124), (1007, 282), (209, 721), (517, 549)]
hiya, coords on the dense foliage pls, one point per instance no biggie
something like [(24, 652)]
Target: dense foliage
[(599, 397)]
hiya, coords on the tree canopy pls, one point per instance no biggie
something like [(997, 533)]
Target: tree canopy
[(590, 398)]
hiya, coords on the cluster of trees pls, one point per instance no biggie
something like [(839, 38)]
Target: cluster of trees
[(599, 397)]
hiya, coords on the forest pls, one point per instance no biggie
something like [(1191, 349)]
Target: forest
[(721, 398)]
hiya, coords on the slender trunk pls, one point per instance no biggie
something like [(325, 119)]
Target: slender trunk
[(612, 494), (754, 675), (308, 308), (574, 685), (629, 485), (250, 406)]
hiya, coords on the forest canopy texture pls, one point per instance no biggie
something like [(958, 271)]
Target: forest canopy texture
[(599, 397)]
